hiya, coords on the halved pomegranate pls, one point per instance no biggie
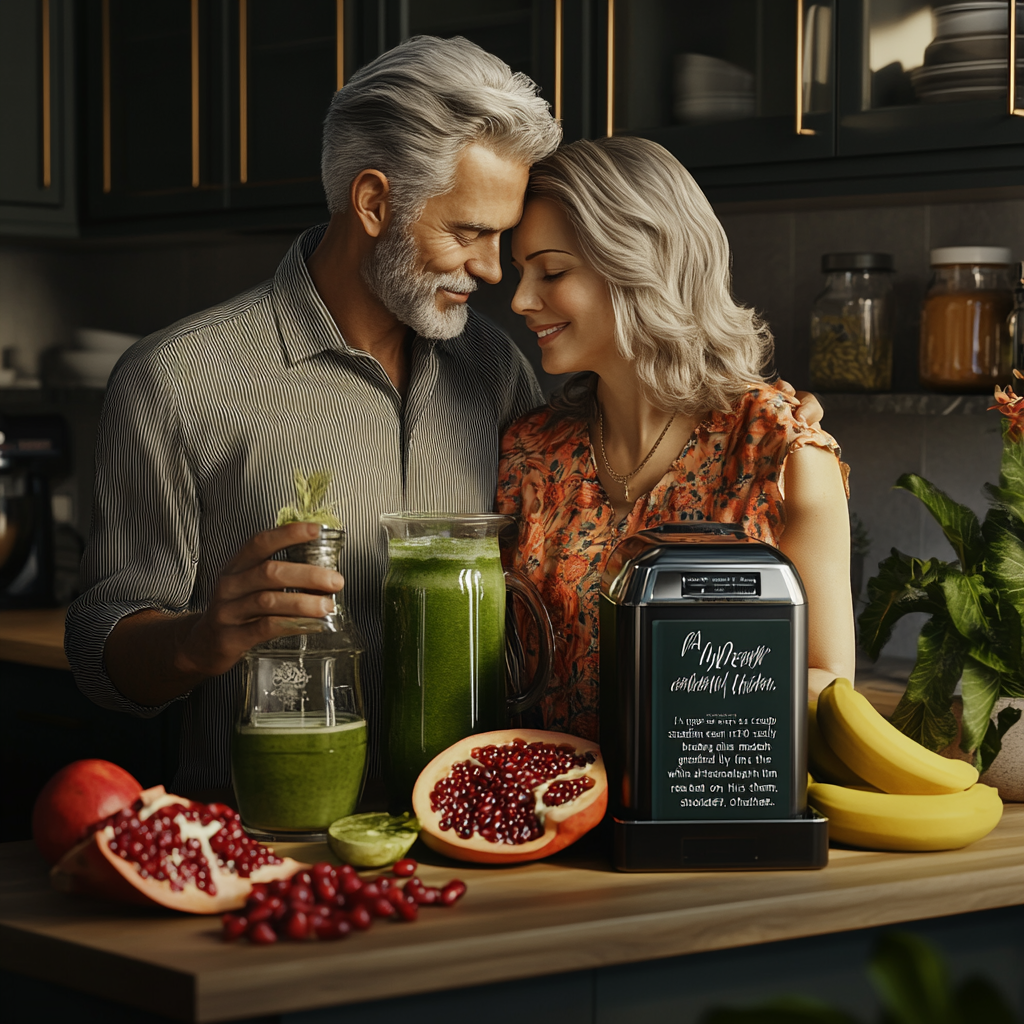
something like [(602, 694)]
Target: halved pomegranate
[(511, 795), (166, 849)]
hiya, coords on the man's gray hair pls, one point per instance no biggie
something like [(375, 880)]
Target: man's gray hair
[(411, 112)]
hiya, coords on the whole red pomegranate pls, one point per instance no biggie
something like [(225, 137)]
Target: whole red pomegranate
[(170, 850), (512, 795), (78, 796)]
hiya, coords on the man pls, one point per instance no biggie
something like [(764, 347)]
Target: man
[(360, 357)]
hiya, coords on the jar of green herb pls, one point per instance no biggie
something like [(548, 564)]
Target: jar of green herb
[(852, 324)]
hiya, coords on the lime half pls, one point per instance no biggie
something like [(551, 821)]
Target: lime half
[(374, 839)]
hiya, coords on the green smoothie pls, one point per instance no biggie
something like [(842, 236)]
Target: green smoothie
[(292, 773), (444, 651)]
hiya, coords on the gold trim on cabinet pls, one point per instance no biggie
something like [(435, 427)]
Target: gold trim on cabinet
[(610, 127), (47, 122), (800, 129), (1012, 107), (243, 91), (558, 60), (106, 95), (339, 42), (195, 93)]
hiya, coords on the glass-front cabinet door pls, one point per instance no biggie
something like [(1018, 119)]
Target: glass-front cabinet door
[(724, 83), (928, 76)]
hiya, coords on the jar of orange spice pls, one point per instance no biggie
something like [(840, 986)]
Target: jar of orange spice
[(965, 340)]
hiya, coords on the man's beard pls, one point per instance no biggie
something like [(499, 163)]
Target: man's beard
[(410, 294)]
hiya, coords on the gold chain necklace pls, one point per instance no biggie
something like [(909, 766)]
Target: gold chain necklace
[(624, 480)]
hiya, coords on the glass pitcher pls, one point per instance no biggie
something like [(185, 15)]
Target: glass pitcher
[(445, 658), (299, 747)]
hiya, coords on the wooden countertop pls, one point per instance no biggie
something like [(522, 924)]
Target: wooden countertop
[(33, 636), (564, 914)]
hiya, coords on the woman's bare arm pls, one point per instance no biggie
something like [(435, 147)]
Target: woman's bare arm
[(817, 541)]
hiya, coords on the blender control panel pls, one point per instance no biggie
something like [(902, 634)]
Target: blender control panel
[(720, 584)]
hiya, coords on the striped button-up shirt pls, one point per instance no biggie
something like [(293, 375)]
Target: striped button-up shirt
[(202, 428)]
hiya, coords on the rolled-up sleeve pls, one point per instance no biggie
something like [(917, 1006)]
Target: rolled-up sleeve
[(142, 550)]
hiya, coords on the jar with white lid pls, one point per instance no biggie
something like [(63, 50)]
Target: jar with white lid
[(965, 338)]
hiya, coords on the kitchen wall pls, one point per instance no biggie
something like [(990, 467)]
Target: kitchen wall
[(48, 288)]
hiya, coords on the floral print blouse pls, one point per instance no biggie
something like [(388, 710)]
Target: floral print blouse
[(729, 471)]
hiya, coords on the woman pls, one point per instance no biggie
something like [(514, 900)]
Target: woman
[(624, 278)]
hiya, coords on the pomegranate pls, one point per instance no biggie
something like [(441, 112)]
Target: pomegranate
[(78, 796), (512, 795), (168, 850)]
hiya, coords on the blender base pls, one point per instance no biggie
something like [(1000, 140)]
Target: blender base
[(769, 844)]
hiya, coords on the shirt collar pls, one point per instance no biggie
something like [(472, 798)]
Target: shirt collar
[(305, 326)]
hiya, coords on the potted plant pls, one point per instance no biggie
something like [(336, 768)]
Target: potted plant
[(975, 633)]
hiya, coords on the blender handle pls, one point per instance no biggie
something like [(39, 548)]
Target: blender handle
[(519, 586)]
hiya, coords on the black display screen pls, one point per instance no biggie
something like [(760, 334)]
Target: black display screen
[(721, 733)]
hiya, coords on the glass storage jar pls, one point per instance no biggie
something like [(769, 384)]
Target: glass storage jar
[(852, 324), (965, 336)]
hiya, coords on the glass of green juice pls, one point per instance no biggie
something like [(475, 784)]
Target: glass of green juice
[(298, 751), (447, 652)]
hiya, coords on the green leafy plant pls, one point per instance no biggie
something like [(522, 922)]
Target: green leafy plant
[(310, 502), (912, 983), (976, 603)]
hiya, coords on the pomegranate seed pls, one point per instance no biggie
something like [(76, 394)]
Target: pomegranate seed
[(407, 910), (262, 934), (259, 893), (302, 878), (405, 867), (302, 892), (360, 917), (296, 925), (346, 869), (260, 913), (382, 907), (322, 910), (322, 869), (452, 892), (325, 888), (370, 891), (337, 927), (429, 895), (277, 906), (340, 900), (234, 926), (351, 884), (383, 883), (301, 905), (281, 887)]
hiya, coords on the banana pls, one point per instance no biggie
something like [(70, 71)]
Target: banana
[(890, 821), (879, 753), (822, 759)]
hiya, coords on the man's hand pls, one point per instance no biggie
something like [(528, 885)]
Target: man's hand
[(806, 408), (152, 657)]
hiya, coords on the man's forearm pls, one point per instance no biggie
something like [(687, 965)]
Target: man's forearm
[(144, 657)]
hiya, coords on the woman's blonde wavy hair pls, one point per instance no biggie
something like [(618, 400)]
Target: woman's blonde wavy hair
[(645, 226)]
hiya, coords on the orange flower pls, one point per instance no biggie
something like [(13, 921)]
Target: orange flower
[(1011, 406)]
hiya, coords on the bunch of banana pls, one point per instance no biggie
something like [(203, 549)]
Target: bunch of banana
[(884, 791)]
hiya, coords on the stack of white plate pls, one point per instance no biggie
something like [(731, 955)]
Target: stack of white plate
[(711, 89), (967, 60), (89, 364)]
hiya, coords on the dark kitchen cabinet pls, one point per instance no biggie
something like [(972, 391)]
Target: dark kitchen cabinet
[(895, 95), (717, 83)]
